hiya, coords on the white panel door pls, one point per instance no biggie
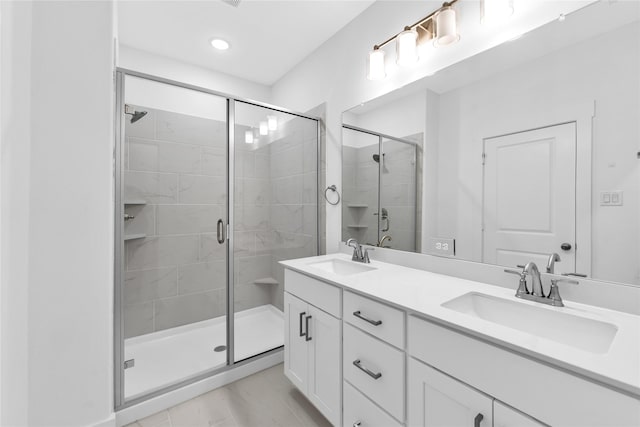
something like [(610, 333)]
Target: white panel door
[(530, 197), (436, 400), (295, 345), (506, 416), (324, 364)]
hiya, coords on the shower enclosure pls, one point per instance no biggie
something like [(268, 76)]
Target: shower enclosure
[(211, 192), (381, 180)]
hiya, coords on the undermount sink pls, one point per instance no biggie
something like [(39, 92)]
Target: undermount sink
[(579, 332), (341, 267)]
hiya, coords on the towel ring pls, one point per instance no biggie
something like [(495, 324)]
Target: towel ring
[(335, 190)]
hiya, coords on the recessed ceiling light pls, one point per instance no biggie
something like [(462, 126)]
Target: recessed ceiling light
[(220, 44)]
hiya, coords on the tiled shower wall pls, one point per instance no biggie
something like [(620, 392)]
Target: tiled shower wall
[(176, 165)]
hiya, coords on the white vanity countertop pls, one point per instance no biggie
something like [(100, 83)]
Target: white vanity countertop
[(423, 293)]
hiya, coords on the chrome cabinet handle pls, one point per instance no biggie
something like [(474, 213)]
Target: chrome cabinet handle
[(373, 322), (357, 424), (306, 325), (301, 316), (477, 420), (220, 230), (358, 365)]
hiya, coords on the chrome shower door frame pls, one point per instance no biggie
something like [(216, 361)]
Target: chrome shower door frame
[(120, 402)]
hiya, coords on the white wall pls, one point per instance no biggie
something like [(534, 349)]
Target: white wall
[(160, 66), (57, 213), (335, 72)]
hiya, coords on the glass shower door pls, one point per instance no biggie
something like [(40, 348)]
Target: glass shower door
[(173, 197), (275, 218)]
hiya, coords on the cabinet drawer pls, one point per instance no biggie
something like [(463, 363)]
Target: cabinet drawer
[(381, 360), (359, 409), (380, 320), (317, 293)]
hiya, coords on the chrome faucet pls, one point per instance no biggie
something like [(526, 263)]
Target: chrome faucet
[(537, 292), (358, 255), (551, 262), (383, 239)]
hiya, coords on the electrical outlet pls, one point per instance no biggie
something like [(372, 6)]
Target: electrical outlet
[(611, 198), (442, 246)]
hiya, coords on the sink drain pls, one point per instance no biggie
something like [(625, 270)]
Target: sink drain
[(220, 348)]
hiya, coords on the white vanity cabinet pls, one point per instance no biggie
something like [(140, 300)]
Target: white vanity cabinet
[(312, 355)]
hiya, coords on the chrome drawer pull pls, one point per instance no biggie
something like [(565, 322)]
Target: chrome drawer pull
[(357, 364), (373, 322)]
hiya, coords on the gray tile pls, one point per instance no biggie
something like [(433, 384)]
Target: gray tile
[(249, 269), (310, 220), (256, 191), (310, 188), (143, 128), (248, 296), (287, 218), (186, 309), (153, 252), (199, 190), (286, 191), (147, 285), (158, 156), (287, 162), (202, 277), (161, 419), (151, 187), (214, 161), (144, 221), (190, 129), (210, 249), (249, 218), (188, 219), (138, 319)]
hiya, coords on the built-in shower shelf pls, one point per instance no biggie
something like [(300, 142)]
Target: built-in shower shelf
[(356, 205), (266, 281), (357, 226), (134, 236), (135, 202)]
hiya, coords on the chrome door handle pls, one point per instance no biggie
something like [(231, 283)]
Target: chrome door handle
[(220, 230), (301, 316), (366, 319), (477, 420), (358, 365), (306, 327)]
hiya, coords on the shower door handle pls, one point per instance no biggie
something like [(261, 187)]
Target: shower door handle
[(221, 233)]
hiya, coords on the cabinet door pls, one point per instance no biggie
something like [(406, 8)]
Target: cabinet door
[(506, 416), (435, 399), (324, 364), (295, 346)]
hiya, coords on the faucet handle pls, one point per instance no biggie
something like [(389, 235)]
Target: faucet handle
[(574, 274), (522, 284), (366, 255), (556, 281), (554, 293), (519, 273)]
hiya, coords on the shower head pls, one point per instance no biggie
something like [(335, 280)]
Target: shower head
[(376, 157), (137, 115)]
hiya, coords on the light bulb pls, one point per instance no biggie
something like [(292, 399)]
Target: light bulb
[(272, 122), (446, 28), (407, 47), (376, 65), (220, 44), (264, 128), (248, 136), (495, 10)]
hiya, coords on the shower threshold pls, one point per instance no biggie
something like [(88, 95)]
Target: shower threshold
[(166, 357)]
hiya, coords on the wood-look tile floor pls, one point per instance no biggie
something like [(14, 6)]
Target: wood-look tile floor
[(264, 399)]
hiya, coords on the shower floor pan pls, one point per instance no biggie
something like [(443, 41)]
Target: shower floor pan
[(165, 357)]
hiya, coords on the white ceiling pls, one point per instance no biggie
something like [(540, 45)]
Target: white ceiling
[(268, 38)]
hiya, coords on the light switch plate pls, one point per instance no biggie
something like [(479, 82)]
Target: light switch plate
[(442, 246), (611, 198)]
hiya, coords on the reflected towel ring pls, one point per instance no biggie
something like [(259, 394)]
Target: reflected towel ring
[(335, 190)]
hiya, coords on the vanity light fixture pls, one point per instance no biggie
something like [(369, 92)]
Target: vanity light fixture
[(495, 10), (439, 25), (248, 136), (264, 128), (220, 44), (272, 122)]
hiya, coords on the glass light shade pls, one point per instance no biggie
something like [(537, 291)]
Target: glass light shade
[(264, 128), (495, 10), (446, 28), (407, 47), (376, 65), (248, 136), (272, 122)]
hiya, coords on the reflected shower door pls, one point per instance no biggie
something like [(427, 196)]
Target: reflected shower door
[(173, 169), (275, 218), (360, 183)]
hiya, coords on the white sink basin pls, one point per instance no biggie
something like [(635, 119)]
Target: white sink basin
[(341, 267), (545, 322)]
